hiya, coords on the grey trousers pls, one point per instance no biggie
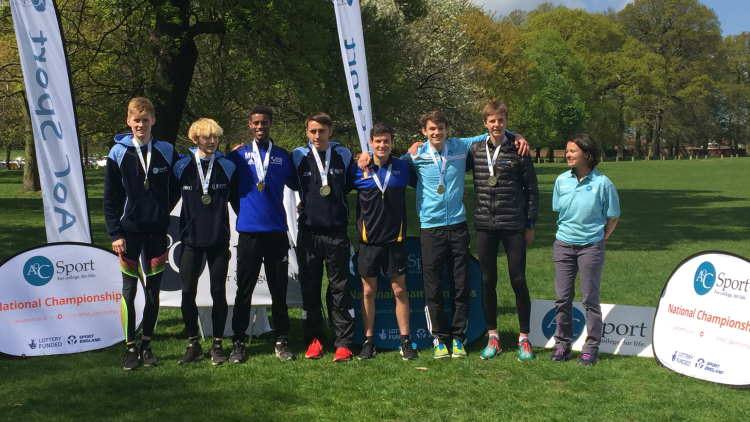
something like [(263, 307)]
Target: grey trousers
[(588, 261)]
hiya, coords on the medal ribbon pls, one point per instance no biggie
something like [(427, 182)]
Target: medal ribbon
[(491, 164), (145, 164), (207, 178), (323, 171), (443, 155), (387, 178), (261, 169)]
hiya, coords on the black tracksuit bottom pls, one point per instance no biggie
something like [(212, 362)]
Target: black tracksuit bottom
[(191, 267), (253, 250), (333, 249), (514, 243), (440, 246)]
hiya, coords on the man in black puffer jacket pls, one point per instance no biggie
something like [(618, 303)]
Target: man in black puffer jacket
[(506, 202)]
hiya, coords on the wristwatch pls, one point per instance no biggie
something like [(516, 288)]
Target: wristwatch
[(530, 225)]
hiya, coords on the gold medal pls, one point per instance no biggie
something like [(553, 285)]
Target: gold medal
[(261, 185), (145, 184), (325, 190), (206, 198), (441, 189), (492, 181)]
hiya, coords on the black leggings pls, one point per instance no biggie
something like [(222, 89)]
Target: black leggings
[(152, 249), (191, 267), (514, 243)]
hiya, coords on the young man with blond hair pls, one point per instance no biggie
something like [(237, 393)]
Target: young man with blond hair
[(139, 193), (206, 178)]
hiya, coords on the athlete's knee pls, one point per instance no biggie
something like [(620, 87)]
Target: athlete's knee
[(400, 293)]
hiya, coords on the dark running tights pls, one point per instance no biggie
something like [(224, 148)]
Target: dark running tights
[(514, 243), (191, 266)]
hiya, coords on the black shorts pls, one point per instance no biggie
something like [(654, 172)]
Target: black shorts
[(391, 257)]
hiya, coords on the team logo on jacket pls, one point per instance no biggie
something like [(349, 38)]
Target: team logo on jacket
[(277, 160), (217, 186), (158, 170)]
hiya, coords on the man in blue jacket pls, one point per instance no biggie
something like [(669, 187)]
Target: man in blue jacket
[(322, 170), (263, 169)]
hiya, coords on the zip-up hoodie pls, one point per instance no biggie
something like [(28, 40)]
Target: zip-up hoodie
[(128, 206), (205, 224)]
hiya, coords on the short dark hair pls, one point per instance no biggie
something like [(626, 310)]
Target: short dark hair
[(494, 108), (434, 117), (261, 109), (321, 118), (381, 129), (588, 145)]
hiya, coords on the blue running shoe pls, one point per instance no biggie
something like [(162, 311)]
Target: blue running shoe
[(493, 349)]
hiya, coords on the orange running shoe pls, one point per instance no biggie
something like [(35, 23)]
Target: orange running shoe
[(315, 350), (342, 355)]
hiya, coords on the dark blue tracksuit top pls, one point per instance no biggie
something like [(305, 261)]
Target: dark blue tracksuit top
[(205, 224)]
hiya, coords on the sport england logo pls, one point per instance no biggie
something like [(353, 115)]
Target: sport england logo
[(549, 324), (422, 333), (705, 277), (72, 340), (38, 271)]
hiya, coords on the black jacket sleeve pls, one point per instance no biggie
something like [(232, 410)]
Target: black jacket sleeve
[(530, 188), (174, 184), (114, 199)]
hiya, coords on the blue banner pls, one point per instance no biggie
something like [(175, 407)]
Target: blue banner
[(387, 334)]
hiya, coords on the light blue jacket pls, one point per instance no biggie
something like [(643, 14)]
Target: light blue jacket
[(434, 209)]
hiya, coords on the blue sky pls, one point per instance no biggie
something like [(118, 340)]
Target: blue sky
[(733, 14)]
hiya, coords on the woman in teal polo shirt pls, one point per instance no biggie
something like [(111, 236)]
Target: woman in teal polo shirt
[(589, 209)]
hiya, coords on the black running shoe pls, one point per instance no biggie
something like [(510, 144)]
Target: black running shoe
[(131, 361), (217, 354), (368, 351), (147, 356), (194, 353), (561, 355), (238, 352), (282, 350), (407, 351)]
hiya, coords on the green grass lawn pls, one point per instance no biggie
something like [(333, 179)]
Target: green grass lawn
[(670, 210)]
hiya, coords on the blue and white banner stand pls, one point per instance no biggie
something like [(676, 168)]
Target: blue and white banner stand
[(352, 42), (702, 323), (387, 334), (62, 298), (47, 82)]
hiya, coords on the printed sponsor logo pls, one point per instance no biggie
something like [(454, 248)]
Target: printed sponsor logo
[(549, 323), (158, 170), (187, 188), (39, 5), (682, 358), (217, 186), (72, 339), (422, 333), (38, 271), (277, 160), (45, 343), (705, 277), (702, 364)]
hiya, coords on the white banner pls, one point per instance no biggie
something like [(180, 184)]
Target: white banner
[(171, 295), (626, 329), (702, 323), (45, 74), (349, 23), (62, 298)]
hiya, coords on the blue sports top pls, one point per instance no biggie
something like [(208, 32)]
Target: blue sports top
[(584, 207), (434, 209), (262, 211)]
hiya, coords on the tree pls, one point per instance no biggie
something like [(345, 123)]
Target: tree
[(685, 35)]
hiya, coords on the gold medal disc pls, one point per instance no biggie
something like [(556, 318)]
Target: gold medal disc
[(145, 184), (441, 189), (261, 185), (325, 190), (492, 181), (206, 198)]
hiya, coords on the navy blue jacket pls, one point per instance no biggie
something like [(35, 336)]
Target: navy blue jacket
[(264, 211), (205, 224), (323, 213), (128, 206), (382, 218)]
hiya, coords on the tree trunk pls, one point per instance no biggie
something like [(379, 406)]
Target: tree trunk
[(538, 154), (7, 155), (621, 132), (655, 144), (31, 181), (637, 145), (550, 155)]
